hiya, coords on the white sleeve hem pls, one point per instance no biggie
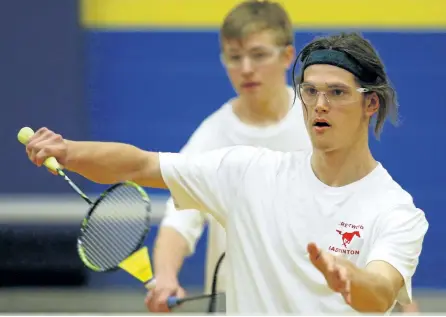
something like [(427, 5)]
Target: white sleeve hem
[(169, 163), (165, 167), (188, 224)]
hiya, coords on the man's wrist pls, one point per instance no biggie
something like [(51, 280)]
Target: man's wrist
[(167, 275), (369, 290)]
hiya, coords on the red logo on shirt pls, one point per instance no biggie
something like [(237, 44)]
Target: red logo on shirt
[(348, 233), (347, 237)]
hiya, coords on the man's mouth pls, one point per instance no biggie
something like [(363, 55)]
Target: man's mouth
[(320, 125), (250, 84)]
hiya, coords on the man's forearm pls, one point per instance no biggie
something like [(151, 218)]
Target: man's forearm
[(370, 292), (109, 162), (170, 250)]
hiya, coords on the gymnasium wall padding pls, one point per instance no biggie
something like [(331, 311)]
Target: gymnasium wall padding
[(152, 73)]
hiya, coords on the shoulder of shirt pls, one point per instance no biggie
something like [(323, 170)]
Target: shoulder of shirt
[(218, 114), (214, 119), (204, 136), (391, 196)]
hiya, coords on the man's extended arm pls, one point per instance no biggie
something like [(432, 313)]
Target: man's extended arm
[(108, 162), (390, 266), (101, 162), (372, 289)]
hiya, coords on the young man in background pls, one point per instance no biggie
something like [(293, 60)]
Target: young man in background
[(257, 50)]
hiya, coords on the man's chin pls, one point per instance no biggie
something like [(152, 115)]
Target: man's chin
[(321, 145)]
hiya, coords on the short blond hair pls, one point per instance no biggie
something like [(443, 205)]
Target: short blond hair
[(254, 16)]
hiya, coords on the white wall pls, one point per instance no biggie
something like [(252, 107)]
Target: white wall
[(55, 208)]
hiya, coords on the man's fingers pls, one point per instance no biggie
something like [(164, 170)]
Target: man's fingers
[(335, 274), (161, 300), (341, 283), (331, 265), (52, 172), (156, 300), (313, 250), (342, 274), (346, 293), (316, 257), (148, 298), (323, 261), (43, 144)]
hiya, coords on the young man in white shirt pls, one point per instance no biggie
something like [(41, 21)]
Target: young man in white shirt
[(257, 50), (325, 231)]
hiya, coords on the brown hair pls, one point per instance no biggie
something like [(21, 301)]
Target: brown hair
[(254, 16), (362, 51)]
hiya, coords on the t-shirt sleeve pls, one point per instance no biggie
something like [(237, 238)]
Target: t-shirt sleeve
[(189, 223), (208, 181), (399, 241)]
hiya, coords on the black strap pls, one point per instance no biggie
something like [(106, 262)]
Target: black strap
[(212, 303)]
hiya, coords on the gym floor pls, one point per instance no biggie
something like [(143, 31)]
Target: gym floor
[(78, 300)]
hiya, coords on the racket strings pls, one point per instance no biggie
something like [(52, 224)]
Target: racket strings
[(115, 227)]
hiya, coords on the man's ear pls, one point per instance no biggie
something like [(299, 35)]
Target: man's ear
[(372, 104), (289, 56)]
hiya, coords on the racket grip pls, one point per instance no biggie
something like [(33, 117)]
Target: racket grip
[(52, 164), (24, 135), (172, 301)]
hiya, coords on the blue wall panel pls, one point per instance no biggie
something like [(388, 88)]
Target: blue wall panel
[(152, 89), (41, 79)]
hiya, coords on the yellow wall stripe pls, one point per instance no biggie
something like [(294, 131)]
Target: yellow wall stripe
[(304, 13)]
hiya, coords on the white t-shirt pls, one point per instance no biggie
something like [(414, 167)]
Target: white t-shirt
[(272, 205), (221, 129)]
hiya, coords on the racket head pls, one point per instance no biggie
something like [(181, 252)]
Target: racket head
[(115, 227)]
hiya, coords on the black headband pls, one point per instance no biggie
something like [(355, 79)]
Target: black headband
[(339, 59)]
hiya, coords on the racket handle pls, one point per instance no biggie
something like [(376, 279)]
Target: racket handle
[(24, 135), (173, 301)]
